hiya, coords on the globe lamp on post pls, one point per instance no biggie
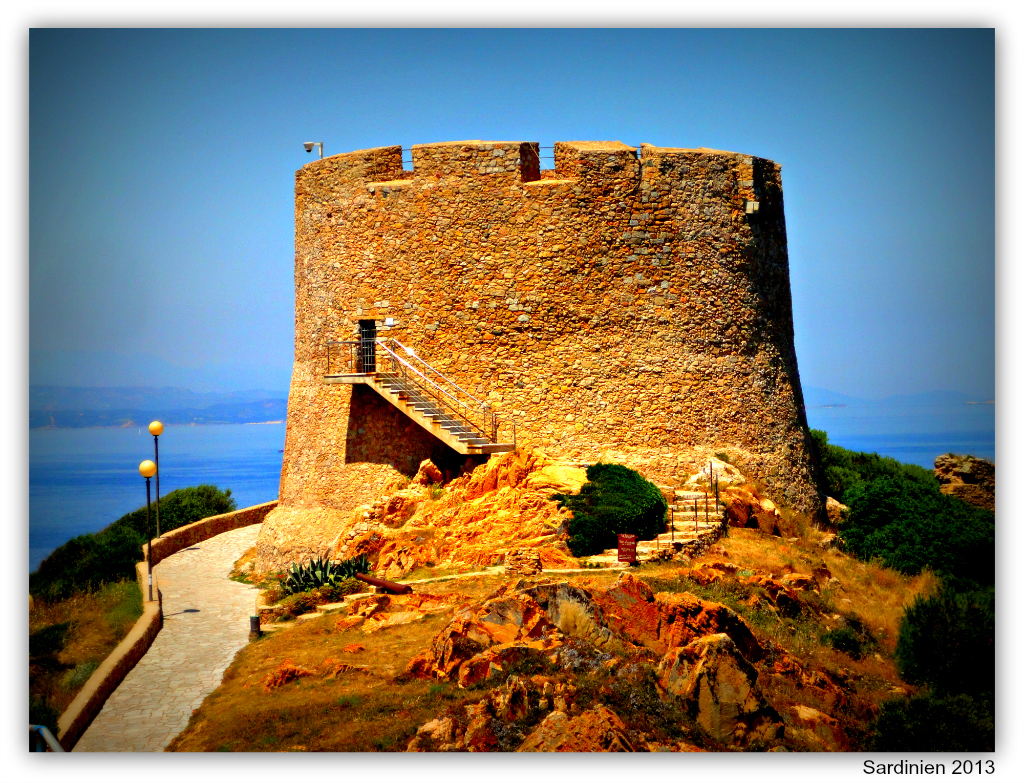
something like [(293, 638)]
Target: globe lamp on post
[(156, 429), (147, 468)]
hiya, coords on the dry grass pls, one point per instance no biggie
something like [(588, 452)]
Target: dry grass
[(376, 709), (96, 624), (877, 595)]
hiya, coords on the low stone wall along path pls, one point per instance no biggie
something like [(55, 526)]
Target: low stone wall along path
[(206, 621)]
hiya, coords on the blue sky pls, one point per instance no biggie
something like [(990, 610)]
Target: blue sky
[(161, 175)]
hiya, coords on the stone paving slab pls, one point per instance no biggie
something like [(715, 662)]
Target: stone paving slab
[(206, 621)]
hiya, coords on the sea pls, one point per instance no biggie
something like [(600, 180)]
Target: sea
[(81, 480)]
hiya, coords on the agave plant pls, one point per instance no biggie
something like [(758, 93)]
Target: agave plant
[(354, 565), (320, 571)]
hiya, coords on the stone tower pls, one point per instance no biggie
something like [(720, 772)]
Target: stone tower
[(629, 304)]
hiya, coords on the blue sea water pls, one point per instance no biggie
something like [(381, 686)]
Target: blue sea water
[(81, 480), (911, 434)]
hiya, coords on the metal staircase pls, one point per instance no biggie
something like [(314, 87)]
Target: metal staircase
[(436, 403)]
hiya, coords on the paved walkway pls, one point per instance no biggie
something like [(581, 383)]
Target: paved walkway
[(206, 621)]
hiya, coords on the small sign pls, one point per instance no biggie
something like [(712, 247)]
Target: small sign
[(627, 547)]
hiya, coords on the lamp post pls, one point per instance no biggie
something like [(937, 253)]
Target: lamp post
[(147, 468), (155, 429)]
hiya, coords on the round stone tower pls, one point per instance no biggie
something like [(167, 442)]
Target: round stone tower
[(630, 305)]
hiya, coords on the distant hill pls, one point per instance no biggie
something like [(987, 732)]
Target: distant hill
[(102, 406), (816, 397)]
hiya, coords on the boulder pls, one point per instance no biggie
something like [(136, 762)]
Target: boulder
[(835, 510), (596, 730), (767, 523), (506, 620), (667, 620), (826, 731), (428, 474), (971, 479), (480, 736), (719, 687)]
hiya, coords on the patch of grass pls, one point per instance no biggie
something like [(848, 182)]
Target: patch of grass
[(69, 638)]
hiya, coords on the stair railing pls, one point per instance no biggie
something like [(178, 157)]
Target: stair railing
[(476, 413), (344, 357)]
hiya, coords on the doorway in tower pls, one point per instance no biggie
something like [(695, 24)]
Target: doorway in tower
[(367, 346)]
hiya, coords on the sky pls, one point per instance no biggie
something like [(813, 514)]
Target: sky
[(161, 175)]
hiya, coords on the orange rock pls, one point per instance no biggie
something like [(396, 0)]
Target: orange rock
[(353, 648), (828, 731), (596, 730), (670, 619), (284, 674), (720, 687), (428, 474), (348, 622)]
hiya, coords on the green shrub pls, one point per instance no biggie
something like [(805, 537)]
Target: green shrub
[(844, 468), (908, 527), (86, 562), (78, 676), (181, 507), (48, 640), (931, 724), (614, 500), (41, 713), (845, 640), (948, 642)]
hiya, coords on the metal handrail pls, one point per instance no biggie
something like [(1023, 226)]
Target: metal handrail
[(396, 358), (41, 739), (444, 397), (420, 359)]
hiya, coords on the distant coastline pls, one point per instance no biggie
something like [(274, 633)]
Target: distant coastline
[(146, 423), (68, 407)]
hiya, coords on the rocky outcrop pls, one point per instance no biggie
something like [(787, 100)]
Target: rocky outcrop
[(719, 687), (971, 479), (596, 730), (502, 506), (541, 619), (836, 511), (818, 730)]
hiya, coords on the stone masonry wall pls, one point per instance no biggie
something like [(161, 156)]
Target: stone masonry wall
[(623, 303)]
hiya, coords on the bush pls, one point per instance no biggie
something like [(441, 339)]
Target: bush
[(89, 561), (41, 713), (908, 527), (614, 500), (844, 469), (931, 724), (948, 642), (845, 640)]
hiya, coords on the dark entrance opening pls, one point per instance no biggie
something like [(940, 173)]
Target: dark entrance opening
[(367, 346)]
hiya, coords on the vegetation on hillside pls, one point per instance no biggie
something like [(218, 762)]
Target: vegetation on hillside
[(69, 639), (89, 561), (899, 518), (614, 500)]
